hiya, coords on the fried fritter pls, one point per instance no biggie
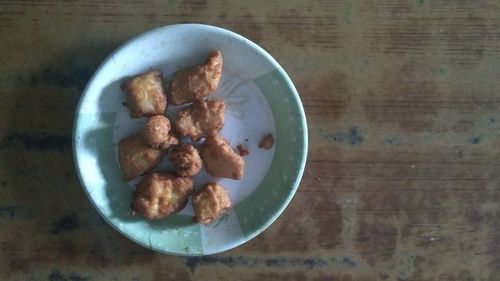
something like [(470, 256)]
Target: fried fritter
[(197, 82), (242, 150), (171, 140), (201, 119), (137, 157), (157, 134), (186, 160), (267, 141), (145, 94), (220, 160), (210, 202), (161, 194)]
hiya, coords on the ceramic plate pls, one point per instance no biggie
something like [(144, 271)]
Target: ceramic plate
[(259, 97)]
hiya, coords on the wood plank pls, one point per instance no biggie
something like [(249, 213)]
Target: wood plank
[(402, 100)]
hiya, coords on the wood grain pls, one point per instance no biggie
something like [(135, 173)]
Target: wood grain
[(402, 100)]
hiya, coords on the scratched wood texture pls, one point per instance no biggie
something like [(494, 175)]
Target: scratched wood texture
[(402, 180)]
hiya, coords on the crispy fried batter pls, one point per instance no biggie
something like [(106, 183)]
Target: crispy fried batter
[(267, 141), (161, 194), (242, 150), (201, 119), (197, 82), (186, 159), (156, 132), (171, 140), (210, 202), (137, 157), (220, 160), (145, 94)]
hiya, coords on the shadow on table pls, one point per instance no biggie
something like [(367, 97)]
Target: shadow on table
[(38, 179)]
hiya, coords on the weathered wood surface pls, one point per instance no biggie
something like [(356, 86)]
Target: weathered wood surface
[(402, 100)]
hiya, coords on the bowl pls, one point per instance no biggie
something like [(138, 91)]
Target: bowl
[(260, 98)]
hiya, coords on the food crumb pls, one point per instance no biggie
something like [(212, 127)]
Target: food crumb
[(242, 150), (267, 142)]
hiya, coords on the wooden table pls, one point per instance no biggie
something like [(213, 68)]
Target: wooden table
[(403, 106)]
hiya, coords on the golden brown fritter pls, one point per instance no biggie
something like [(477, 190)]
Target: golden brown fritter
[(267, 141), (186, 160), (136, 157), (156, 132), (210, 202), (171, 140), (202, 118), (145, 94), (161, 194), (197, 82), (220, 160)]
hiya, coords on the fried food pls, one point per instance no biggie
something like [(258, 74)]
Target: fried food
[(171, 140), (157, 134), (267, 141), (210, 202), (242, 150), (220, 160), (145, 94), (136, 157), (197, 82), (186, 160), (202, 118), (161, 194)]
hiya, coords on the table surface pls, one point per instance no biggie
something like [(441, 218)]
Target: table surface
[(402, 180)]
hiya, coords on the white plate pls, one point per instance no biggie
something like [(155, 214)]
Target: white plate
[(259, 97)]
